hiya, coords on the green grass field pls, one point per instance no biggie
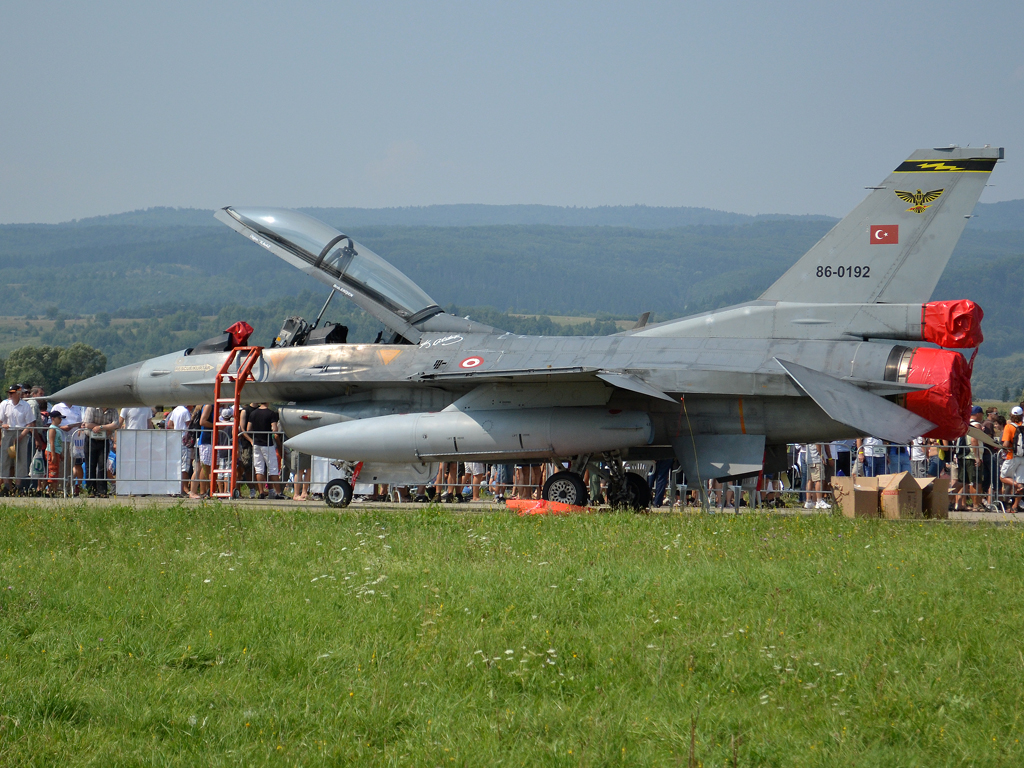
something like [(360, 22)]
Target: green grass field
[(206, 635)]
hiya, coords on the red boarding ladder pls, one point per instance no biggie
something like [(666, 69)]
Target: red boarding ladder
[(236, 381)]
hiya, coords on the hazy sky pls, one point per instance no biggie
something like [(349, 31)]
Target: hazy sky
[(788, 107)]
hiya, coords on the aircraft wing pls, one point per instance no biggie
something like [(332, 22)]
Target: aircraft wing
[(630, 381), (618, 379)]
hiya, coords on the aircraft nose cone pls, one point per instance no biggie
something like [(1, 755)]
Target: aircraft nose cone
[(110, 389), (309, 443)]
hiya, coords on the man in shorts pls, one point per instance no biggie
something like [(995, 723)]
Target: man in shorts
[(179, 419), (262, 428), (201, 476), (1011, 472), (815, 477), (476, 471)]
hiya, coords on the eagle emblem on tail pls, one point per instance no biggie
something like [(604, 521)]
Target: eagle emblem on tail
[(918, 199)]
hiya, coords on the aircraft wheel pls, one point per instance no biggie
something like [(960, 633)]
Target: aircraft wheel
[(566, 487), (638, 492), (338, 493)]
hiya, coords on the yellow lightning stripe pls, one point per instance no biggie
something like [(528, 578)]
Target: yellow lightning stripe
[(940, 167)]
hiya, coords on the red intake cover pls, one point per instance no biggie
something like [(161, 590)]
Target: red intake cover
[(948, 403), (240, 333), (955, 324)]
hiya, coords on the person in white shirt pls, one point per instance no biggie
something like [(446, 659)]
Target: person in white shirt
[(16, 421), (815, 477), (179, 419), (872, 451), (136, 418)]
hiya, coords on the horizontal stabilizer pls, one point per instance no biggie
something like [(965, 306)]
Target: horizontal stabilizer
[(856, 408), (884, 388)]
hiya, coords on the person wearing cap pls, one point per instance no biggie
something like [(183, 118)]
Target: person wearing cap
[(16, 422), (74, 437), (1011, 472)]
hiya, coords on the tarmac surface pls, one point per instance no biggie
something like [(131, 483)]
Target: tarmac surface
[(481, 507)]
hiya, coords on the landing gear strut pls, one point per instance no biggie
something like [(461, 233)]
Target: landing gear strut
[(626, 489)]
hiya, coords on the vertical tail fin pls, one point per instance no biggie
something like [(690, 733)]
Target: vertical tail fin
[(894, 246)]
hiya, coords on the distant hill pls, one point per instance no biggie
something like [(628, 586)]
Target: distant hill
[(1008, 215), (530, 269), (468, 215), (990, 216)]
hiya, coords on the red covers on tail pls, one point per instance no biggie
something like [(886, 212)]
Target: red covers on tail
[(948, 403), (955, 324), (240, 333)]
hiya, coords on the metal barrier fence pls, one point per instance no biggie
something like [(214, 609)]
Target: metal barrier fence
[(162, 462), (33, 461), (975, 470)]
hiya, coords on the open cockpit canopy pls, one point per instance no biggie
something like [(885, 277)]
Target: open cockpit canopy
[(336, 259)]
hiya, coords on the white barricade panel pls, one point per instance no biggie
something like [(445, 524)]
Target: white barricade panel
[(148, 462), (323, 471)]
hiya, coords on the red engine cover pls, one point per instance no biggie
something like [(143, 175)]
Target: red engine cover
[(947, 404), (955, 324)]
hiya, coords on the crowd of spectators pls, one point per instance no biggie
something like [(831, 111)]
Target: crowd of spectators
[(50, 447), (983, 473)]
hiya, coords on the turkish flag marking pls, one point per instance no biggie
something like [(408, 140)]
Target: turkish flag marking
[(885, 234)]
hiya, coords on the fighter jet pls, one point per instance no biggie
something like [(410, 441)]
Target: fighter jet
[(846, 343)]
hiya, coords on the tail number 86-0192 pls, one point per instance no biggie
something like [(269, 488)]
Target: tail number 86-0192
[(864, 271)]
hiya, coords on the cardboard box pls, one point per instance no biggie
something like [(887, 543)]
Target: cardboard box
[(934, 497), (900, 497), (856, 496)]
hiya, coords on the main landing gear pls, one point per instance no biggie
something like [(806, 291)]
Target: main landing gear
[(568, 488), (626, 490)]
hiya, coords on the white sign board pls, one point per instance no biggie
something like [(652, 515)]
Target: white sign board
[(148, 462)]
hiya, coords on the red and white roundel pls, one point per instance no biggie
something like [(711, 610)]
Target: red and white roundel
[(471, 362)]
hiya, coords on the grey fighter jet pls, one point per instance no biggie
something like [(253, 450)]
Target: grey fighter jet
[(846, 343)]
